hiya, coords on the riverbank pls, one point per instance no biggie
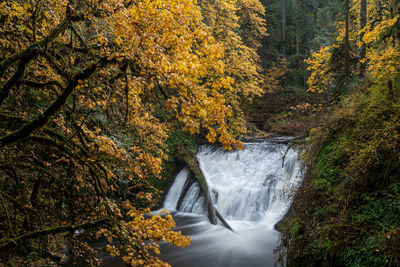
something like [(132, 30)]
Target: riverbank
[(347, 211)]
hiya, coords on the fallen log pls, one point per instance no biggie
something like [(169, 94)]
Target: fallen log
[(193, 165)]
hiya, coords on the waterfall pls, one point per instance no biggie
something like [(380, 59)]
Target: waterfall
[(251, 188)]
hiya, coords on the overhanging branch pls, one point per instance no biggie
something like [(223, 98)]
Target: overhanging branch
[(43, 118), (9, 243)]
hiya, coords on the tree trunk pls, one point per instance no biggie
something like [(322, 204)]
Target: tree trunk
[(390, 89), (297, 28), (298, 67), (346, 40), (284, 28), (363, 23)]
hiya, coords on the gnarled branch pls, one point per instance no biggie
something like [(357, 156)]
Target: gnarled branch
[(43, 118), (9, 243)]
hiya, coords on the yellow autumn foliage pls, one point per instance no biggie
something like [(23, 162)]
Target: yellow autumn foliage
[(382, 59), (320, 77), (90, 90), (226, 18)]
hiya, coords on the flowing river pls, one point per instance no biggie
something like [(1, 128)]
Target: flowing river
[(251, 189)]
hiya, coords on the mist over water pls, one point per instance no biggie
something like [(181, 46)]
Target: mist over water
[(252, 191)]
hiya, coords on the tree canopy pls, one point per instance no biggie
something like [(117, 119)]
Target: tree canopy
[(90, 91)]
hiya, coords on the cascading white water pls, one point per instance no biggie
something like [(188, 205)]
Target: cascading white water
[(252, 191)]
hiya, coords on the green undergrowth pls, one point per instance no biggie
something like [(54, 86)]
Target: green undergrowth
[(291, 123), (347, 212)]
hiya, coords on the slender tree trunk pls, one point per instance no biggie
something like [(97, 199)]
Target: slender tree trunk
[(297, 28), (346, 40), (284, 28), (363, 23), (299, 76), (390, 88)]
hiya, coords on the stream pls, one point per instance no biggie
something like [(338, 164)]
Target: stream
[(252, 191)]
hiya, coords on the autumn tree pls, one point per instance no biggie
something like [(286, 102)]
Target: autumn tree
[(88, 91), (239, 25)]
